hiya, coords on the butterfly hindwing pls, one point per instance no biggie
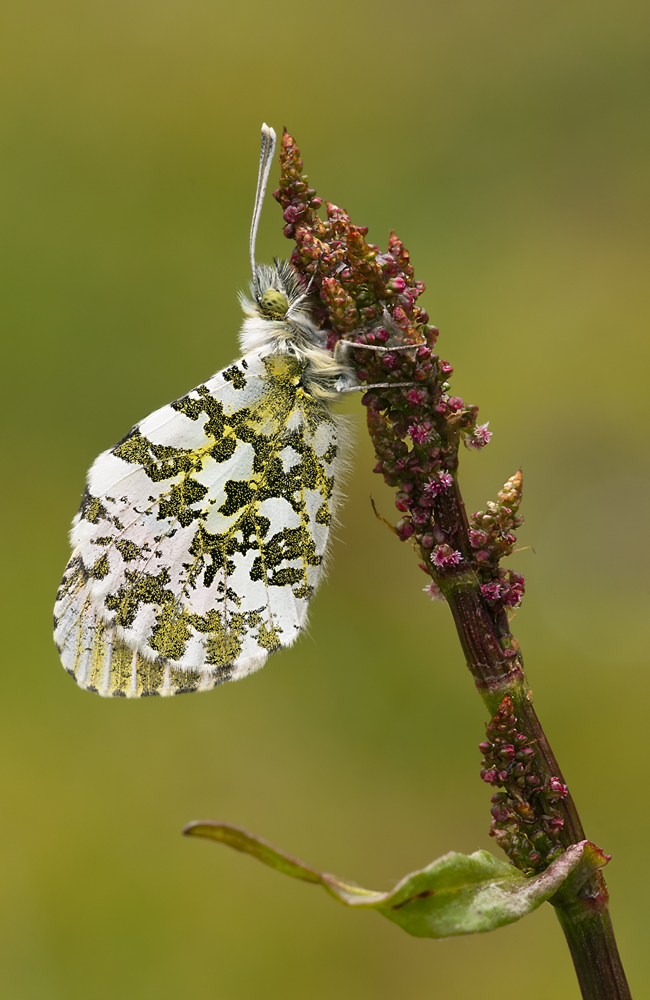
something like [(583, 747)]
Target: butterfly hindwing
[(201, 536)]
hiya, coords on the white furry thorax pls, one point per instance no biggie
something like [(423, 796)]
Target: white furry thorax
[(262, 335)]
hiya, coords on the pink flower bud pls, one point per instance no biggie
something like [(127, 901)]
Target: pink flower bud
[(404, 529)]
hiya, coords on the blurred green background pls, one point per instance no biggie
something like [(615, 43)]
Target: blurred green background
[(507, 143)]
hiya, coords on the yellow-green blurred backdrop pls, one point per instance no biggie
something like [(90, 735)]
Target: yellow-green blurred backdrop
[(507, 143)]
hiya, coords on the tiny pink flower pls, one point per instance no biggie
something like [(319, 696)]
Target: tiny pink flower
[(431, 491), (479, 437), (491, 591), (436, 485), (513, 594), (416, 397), (484, 433), (477, 538), (455, 402), (434, 591), (446, 556), (419, 433)]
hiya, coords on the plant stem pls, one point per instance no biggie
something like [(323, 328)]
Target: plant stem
[(588, 929), (370, 298), (584, 914)]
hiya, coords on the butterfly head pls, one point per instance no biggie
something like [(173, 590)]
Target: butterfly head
[(277, 292), (276, 309)]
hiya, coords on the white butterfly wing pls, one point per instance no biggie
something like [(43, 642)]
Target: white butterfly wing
[(201, 536)]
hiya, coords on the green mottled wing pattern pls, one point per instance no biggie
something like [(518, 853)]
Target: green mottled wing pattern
[(201, 536)]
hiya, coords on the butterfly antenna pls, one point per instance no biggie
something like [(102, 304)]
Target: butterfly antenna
[(296, 302), (266, 159)]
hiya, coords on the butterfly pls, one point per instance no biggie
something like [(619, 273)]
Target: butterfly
[(203, 533)]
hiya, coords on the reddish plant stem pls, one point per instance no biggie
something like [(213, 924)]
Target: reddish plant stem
[(370, 297), (583, 914), (589, 933), (482, 636)]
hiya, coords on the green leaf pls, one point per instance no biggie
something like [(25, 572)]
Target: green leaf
[(457, 894)]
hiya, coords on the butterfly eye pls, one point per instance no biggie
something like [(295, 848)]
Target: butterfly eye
[(273, 304)]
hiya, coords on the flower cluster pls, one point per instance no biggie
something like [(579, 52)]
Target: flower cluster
[(506, 591), (370, 298), (492, 536), (525, 819)]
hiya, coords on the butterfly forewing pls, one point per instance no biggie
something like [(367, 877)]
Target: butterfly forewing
[(201, 536)]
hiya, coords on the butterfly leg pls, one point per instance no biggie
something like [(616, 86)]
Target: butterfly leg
[(339, 350), (374, 385), (341, 346)]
